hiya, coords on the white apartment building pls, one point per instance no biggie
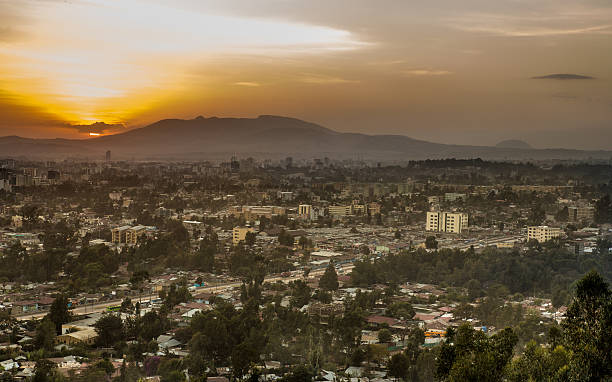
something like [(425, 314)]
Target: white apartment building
[(450, 222), (542, 233), (340, 210)]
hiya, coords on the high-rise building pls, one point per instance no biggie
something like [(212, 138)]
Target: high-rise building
[(305, 211), (108, 156), (239, 234), (581, 213), (340, 210), (449, 222), (542, 233), (119, 234)]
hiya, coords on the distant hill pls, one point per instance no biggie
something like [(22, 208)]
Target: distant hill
[(266, 136), (514, 144)]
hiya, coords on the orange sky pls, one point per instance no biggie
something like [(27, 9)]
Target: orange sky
[(441, 71)]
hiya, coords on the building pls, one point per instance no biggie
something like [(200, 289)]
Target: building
[(256, 212), (449, 222), (542, 233), (127, 234), (75, 334), (374, 208), (108, 156), (453, 196), (132, 234), (239, 234), (580, 214), (337, 211), (306, 212)]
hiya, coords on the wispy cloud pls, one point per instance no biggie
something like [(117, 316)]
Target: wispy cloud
[(247, 84), (322, 79), (563, 76), (516, 31), (425, 72)]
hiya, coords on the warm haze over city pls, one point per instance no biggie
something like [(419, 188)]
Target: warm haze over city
[(471, 72), (305, 190)]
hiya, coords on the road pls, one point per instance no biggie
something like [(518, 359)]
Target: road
[(216, 289)]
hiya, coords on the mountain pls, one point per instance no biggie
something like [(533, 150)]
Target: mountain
[(514, 144), (266, 136)]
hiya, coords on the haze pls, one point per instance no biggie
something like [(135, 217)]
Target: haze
[(470, 72)]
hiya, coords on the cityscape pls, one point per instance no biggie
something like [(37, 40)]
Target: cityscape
[(342, 269), (305, 191)]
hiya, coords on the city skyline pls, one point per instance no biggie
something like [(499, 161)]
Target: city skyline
[(475, 73)]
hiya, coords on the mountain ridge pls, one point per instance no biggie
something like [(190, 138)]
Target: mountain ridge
[(265, 135)]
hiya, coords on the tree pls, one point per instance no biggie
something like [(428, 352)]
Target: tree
[(401, 310), (300, 374), (398, 366), (329, 280), (588, 330), (285, 238), (249, 238), (469, 355), (474, 289), (59, 313), (127, 306), (243, 356), (536, 215), (109, 329), (300, 293), (304, 243), (538, 363), (603, 210), (384, 336), (431, 242), (45, 335), (45, 370), (562, 215)]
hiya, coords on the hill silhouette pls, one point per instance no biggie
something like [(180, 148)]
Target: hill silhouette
[(265, 136)]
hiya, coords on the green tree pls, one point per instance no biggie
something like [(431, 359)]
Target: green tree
[(249, 238), (300, 293), (603, 210), (401, 310), (45, 335), (588, 330), (384, 336), (329, 280), (469, 355), (59, 313), (110, 329), (538, 363), (398, 366), (431, 242), (562, 215)]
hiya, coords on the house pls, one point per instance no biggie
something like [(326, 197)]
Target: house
[(75, 334), (20, 307)]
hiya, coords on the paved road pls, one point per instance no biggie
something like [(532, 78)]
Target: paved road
[(216, 289)]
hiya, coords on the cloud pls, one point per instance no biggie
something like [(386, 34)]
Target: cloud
[(98, 128), (247, 84), (322, 79), (426, 72), (563, 76), (534, 31)]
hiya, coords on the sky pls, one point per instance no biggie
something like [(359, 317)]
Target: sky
[(462, 72)]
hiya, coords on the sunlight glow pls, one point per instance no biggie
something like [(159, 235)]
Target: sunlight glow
[(103, 60)]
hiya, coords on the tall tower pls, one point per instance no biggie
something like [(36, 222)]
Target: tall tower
[(108, 156)]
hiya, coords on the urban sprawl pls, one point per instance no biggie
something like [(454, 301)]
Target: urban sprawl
[(301, 270)]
